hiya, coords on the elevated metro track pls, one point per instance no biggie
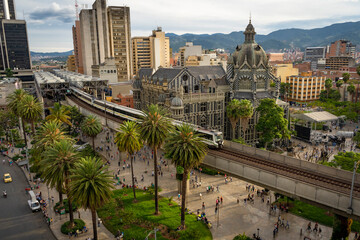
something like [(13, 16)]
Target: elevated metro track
[(314, 183)]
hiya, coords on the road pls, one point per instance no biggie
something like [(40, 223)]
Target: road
[(16, 219)]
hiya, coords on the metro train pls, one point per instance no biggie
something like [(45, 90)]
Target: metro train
[(214, 139)]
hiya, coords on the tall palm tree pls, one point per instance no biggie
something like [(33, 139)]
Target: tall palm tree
[(351, 90), (60, 113), (328, 86), (346, 78), (57, 162), (246, 112), (91, 127), (233, 113), (186, 149), (339, 83), (30, 110), (91, 186), (13, 101), (154, 129), (128, 140)]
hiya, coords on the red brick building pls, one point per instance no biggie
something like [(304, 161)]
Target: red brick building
[(124, 100)]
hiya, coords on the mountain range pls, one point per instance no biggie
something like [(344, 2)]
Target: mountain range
[(274, 41)]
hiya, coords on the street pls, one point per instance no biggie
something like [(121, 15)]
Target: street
[(16, 219)]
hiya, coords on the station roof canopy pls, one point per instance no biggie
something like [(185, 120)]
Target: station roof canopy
[(318, 117)]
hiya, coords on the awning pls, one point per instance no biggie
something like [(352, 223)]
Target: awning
[(317, 117)]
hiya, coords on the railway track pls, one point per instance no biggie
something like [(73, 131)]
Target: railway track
[(312, 177)]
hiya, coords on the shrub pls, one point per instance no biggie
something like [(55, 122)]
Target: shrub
[(16, 157), (57, 207), (78, 225), (20, 145), (23, 152), (241, 237)]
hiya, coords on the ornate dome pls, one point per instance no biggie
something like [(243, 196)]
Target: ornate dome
[(176, 102), (249, 51)]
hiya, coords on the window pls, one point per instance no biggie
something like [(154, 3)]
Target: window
[(185, 77), (203, 107), (186, 89), (196, 87)]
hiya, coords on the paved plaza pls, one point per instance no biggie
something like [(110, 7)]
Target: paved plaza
[(234, 217)]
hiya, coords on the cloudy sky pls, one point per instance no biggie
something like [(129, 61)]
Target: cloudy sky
[(49, 21)]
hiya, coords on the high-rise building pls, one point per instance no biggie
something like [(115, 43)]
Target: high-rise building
[(305, 87), (105, 33), (152, 51), (189, 50), (7, 9), (313, 54), (341, 48), (71, 65), (77, 47)]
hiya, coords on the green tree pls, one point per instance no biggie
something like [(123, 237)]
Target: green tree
[(346, 78), (75, 116), (285, 90), (331, 95), (154, 129), (91, 127), (30, 110), (328, 86), (339, 83), (128, 140), (233, 113), (341, 227), (9, 73), (56, 164), (60, 113), (272, 123), (187, 149), (13, 101), (246, 112), (91, 186), (351, 90)]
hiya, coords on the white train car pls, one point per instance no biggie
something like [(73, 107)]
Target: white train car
[(214, 139)]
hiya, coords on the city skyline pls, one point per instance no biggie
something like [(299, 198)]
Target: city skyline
[(49, 23)]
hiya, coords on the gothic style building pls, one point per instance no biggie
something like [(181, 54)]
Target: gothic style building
[(191, 94), (249, 76)]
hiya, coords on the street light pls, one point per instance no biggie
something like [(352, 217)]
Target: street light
[(155, 230), (356, 165)]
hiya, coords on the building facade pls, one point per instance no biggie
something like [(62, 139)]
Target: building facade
[(106, 70), (313, 54), (341, 48), (305, 87), (191, 94), (77, 47), (249, 75), (105, 33), (152, 51), (7, 9), (70, 63), (188, 50), (335, 63), (282, 71)]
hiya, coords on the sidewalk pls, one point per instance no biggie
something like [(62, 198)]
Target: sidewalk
[(58, 220)]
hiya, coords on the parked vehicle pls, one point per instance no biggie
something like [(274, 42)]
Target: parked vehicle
[(33, 202)]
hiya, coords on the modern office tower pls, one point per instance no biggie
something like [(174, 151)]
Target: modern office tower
[(77, 47), (152, 51), (15, 53), (120, 41), (7, 9), (105, 33), (313, 54)]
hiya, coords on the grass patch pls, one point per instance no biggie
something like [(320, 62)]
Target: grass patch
[(313, 213), (136, 220), (78, 225), (209, 171)]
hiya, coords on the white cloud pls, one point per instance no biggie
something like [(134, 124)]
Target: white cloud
[(189, 16)]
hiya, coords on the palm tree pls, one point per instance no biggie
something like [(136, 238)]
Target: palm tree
[(154, 129), (8, 72), (246, 112), (328, 86), (91, 186), (346, 78), (186, 149), (30, 110), (57, 162), (339, 83), (351, 90), (91, 127), (60, 113), (128, 140), (233, 113), (13, 101)]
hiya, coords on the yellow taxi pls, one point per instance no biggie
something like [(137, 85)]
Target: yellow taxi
[(7, 178)]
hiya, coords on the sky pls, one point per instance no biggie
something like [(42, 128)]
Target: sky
[(50, 21)]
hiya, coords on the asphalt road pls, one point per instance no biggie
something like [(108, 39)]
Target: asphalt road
[(17, 221)]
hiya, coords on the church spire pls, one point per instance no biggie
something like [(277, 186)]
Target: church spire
[(250, 32)]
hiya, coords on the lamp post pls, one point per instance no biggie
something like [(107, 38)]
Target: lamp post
[(356, 165), (155, 230)]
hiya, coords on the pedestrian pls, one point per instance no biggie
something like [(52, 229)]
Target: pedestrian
[(203, 206), (99, 222), (179, 196), (200, 196), (216, 210), (221, 200)]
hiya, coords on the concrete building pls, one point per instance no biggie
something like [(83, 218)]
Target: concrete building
[(282, 71), (249, 75), (313, 54), (274, 57), (305, 87), (152, 51), (7, 87), (189, 50), (7, 9), (70, 63), (191, 94), (341, 48), (105, 33), (77, 47), (106, 70), (335, 63)]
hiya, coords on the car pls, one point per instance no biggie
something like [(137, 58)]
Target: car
[(7, 178)]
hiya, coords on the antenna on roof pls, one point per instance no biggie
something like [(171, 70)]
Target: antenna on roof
[(250, 17)]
